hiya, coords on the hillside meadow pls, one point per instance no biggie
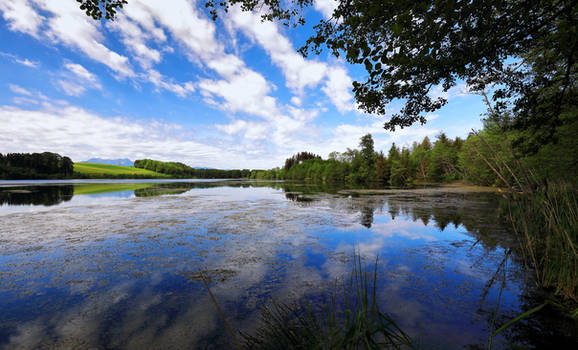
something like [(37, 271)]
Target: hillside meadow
[(93, 170)]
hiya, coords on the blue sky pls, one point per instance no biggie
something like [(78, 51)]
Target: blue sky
[(166, 82)]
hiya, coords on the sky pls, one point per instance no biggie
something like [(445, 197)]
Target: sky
[(164, 81)]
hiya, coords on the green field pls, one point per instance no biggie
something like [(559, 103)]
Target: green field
[(92, 170)]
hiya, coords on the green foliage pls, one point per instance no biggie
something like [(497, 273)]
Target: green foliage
[(485, 158), (555, 160), (95, 8), (420, 159), (180, 170), (431, 43), (298, 158), (443, 164), (393, 153), (382, 170), (478, 149), (547, 227), (367, 152), (35, 166), (108, 171), (525, 50)]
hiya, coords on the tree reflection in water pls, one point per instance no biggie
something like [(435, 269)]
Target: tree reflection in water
[(36, 195)]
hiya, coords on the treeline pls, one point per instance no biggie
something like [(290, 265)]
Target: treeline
[(485, 158), (180, 170), (45, 165)]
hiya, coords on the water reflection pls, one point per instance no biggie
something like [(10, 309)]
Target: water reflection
[(36, 195), (123, 273), (164, 189)]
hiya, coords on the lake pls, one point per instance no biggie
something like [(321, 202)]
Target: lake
[(117, 264)]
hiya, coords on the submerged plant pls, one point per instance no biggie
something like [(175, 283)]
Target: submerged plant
[(351, 319)]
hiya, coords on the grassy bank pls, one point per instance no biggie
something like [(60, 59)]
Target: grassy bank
[(100, 171), (546, 225)]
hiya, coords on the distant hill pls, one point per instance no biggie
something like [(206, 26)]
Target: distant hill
[(123, 162), (107, 171)]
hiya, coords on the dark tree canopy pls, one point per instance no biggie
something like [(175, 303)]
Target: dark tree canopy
[(35, 166), (525, 50), (298, 159), (180, 170), (367, 150), (95, 8), (409, 47)]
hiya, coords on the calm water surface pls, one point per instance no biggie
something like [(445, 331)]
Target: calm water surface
[(116, 265)]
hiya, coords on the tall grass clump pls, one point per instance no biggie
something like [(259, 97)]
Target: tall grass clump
[(546, 223), (351, 319)]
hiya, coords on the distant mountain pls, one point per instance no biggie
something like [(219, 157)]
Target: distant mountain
[(124, 162)]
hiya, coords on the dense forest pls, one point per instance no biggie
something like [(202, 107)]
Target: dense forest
[(35, 166), (180, 170), (485, 158)]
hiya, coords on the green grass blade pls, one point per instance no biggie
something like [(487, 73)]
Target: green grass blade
[(518, 318)]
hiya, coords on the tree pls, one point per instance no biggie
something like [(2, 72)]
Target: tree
[(393, 152), (400, 174), (298, 159), (381, 169), (420, 159), (410, 47), (95, 8), (367, 151), (35, 166), (443, 164)]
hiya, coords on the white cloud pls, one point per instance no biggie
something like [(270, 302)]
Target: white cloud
[(183, 21), (299, 72), (81, 72), (150, 29), (19, 90), (70, 28), (25, 100), (135, 39), (63, 23), (28, 63), (345, 136), (296, 100), (326, 7), (21, 16), (30, 97), (247, 92), (76, 80), (197, 36), (161, 82), (25, 62), (250, 130), (80, 134), (461, 89), (337, 88), (70, 88)]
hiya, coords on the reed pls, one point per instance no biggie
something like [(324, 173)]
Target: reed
[(546, 225), (350, 319)]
